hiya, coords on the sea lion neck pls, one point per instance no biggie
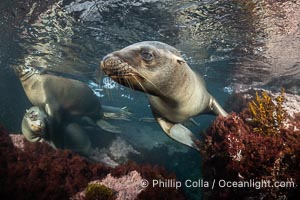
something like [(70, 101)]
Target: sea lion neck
[(172, 94)]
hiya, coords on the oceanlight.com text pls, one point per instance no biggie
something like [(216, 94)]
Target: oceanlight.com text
[(200, 183)]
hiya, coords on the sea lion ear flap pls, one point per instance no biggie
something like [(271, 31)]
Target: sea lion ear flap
[(180, 60)]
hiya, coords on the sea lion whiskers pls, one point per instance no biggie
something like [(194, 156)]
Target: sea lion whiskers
[(119, 78), (143, 88), (147, 79), (128, 82), (121, 75), (108, 94), (126, 72)]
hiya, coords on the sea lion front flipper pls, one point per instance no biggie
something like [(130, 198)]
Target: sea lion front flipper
[(178, 132), (216, 108), (107, 126), (53, 111)]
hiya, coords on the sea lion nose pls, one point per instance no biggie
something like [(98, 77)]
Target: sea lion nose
[(107, 64), (107, 61), (110, 61)]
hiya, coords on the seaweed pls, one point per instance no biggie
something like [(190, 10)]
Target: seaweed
[(96, 191), (242, 148), (268, 115), (37, 171), (150, 173)]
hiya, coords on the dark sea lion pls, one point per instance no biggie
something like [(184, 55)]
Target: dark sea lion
[(35, 124), (176, 92), (62, 97), (38, 126)]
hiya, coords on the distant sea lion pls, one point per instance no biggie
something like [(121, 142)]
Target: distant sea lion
[(176, 92), (38, 126), (35, 124), (62, 98)]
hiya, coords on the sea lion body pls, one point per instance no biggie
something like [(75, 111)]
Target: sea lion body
[(60, 95), (63, 98), (185, 107), (38, 126), (176, 92)]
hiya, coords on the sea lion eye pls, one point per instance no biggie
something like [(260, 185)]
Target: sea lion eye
[(147, 56)]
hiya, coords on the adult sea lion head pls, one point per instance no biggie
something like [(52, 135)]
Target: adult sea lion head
[(147, 66)]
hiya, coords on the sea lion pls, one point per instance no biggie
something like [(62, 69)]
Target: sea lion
[(62, 97), (38, 126), (35, 124), (176, 92)]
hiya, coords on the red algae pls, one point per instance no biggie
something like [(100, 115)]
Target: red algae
[(126, 187), (37, 171), (234, 152)]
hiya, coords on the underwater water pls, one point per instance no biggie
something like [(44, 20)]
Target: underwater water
[(234, 45)]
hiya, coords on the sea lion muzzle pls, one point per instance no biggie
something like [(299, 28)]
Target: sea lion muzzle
[(112, 65)]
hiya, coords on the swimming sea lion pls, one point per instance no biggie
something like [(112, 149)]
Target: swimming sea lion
[(38, 126), (176, 92), (62, 97)]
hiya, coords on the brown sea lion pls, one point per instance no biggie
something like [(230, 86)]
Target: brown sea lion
[(38, 126), (176, 92), (62, 97)]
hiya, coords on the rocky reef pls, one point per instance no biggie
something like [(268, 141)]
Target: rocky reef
[(37, 171), (257, 150)]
